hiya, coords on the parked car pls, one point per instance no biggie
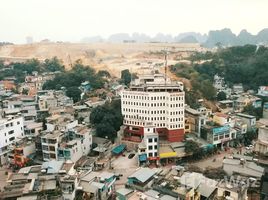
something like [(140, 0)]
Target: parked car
[(131, 155), (249, 147)]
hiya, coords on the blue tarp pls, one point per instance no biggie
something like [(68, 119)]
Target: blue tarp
[(119, 149), (143, 157)]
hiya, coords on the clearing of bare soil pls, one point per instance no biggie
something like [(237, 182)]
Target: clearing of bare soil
[(113, 57)]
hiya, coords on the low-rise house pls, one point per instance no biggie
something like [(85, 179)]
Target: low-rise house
[(221, 119), (98, 186), (250, 120), (218, 135), (69, 185), (124, 193), (263, 91), (238, 88), (232, 190), (33, 128), (196, 186), (242, 167), (261, 146), (141, 179)]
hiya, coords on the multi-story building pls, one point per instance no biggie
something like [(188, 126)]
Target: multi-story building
[(194, 121), (11, 130), (261, 145), (250, 120), (218, 135), (70, 143), (155, 99), (149, 147)]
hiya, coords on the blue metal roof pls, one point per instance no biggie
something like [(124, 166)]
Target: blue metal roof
[(143, 157), (119, 149)]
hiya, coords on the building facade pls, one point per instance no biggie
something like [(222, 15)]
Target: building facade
[(11, 130), (153, 99)]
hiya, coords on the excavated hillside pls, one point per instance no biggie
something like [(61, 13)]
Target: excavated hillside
[(109, 56)]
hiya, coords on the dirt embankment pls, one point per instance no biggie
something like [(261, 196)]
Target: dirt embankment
[(109, 56)]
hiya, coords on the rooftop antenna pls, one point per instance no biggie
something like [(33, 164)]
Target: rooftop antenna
[(165, 52)]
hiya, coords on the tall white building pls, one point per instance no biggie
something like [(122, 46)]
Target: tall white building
[(11, 130), (153, 98)]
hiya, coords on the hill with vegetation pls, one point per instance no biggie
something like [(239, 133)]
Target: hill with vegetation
[(240, 64)]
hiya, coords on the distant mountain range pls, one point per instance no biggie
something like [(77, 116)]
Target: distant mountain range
[(224, 37)]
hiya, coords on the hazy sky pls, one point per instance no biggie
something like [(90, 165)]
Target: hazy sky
[(74, 19)]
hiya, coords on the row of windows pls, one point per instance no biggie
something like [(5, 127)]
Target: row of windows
[(160, 125), (151, 147), (144, 118), (152, 112), (142, 104), (176, 119), (151, 154), (153, 98), (152, 104), (150, 140), (11, 124), (153, 118)]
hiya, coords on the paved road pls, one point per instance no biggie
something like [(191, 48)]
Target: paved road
[(124, 165)]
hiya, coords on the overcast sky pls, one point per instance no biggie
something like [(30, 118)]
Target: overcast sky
[(74, 19)]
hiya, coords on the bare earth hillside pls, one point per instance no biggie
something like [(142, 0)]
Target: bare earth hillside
[(110, 56)]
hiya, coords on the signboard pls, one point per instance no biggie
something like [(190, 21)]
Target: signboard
[(220, 130)]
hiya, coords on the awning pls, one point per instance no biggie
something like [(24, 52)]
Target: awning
[(119, 149), (143, 157), (100, 149), (168, 155)]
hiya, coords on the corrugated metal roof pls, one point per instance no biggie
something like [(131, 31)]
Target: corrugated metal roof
[(143, 174)]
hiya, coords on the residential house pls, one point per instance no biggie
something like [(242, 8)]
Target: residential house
[(97, 186), (194, 121), (263, 91), (250, 120), (11, 130), (232, 190), (141, 179), (261, 146), (242, 167)]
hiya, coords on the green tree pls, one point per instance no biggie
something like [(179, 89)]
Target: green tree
[(103, 73), (251, 110), (107, 119), (191, 146), (125, 76), (221, 96), (74, 93)]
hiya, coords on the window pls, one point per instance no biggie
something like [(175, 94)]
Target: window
[(18, 122), (10, 132), (150, 140), (11, 139), (150, 154), (150, 147), (155, 146), (155, 154)]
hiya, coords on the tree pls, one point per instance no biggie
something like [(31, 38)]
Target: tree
[(53, 65), (74, 93), (107, 119), (191, 146), (103, 73), (251, 110), (126, 76), (221, 96)]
